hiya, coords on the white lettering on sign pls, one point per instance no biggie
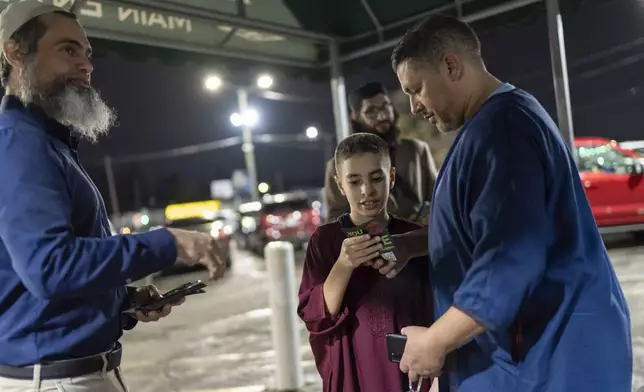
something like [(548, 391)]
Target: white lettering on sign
[(251, 35), (151, 19), (63, 3), (92, 9)]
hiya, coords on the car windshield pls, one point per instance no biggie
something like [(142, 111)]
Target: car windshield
[(604, 158), (640, 151)]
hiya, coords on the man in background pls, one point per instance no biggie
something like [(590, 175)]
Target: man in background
[(373, 112)]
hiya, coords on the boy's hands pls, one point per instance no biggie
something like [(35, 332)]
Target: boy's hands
[(392, 268), (359, 250)]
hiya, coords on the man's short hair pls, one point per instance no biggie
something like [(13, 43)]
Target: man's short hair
[(360, 143), (26, 38), (366, 91), (434, 37)]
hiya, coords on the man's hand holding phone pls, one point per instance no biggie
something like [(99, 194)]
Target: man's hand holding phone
[(145, 295), (149, 304), (195, 248)]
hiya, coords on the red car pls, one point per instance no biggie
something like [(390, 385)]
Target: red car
[(614, 182), (291, 217)]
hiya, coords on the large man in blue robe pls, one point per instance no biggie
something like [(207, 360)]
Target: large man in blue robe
[(526, 297)]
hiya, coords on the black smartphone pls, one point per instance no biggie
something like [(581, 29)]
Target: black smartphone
[(395, 347), (172, 296)]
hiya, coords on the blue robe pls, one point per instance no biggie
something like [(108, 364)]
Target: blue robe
[(513, 241)]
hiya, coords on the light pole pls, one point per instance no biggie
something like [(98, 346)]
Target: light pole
[(248, 148), (246, 119)]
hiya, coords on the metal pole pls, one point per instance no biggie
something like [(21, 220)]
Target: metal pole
[(560, 71), (248, 148), (111, 185), (329, 149), (339, 95), (280, 264)]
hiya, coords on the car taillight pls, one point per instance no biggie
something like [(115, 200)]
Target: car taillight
[(272, 219)]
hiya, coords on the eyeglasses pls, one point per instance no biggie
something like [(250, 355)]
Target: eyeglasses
[(372, 112)]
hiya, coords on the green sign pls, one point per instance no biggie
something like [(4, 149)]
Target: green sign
[(183, 29)]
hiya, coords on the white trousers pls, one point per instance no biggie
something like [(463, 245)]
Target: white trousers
[(93, 382)]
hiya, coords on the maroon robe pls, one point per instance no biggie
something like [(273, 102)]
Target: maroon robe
[(350, 348)]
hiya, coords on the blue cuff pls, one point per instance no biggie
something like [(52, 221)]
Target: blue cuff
[(162, 249), (128, 322)]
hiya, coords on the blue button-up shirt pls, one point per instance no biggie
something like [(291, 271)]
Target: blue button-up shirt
[(62, 275)]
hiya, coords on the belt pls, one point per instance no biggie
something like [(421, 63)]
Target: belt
[(67, 368)]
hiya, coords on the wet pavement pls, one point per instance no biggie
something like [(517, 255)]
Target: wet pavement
[(221, 341)]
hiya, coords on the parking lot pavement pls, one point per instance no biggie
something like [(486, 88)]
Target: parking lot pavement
[(221, 341), (628, 259)]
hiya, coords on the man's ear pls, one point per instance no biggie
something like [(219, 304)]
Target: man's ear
[(392, 176), (354, 116), (339, 184), (454, 66), (12, 53)]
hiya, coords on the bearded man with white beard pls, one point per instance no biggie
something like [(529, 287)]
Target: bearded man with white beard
[(63, 292)]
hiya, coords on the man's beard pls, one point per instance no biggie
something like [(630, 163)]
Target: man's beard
[(390, 135), (80, 108)]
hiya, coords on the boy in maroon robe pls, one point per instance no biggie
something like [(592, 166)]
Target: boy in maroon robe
[(347, 305)]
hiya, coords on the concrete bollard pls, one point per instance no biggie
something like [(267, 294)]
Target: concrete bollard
[(280, 263)]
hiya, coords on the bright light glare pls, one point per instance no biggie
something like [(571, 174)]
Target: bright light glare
[(213, 83), (249, 119), (263, 187), (236, 119), (312, 132), (265, 81)]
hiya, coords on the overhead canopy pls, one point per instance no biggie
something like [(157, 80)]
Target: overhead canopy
[(290, 32)]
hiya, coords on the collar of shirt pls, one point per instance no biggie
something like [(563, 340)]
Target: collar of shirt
[(49, 125), (502, 88)]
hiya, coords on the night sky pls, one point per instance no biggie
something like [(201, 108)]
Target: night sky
[(165, 106)]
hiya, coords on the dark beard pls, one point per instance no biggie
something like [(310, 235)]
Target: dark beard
[(391, 136)]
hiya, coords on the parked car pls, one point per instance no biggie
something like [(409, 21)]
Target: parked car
[(291, 217), (613, 178), (633, 145), (205, 217)]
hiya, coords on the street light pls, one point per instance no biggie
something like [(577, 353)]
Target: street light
[(265, 81), (263, 187), (245, 118), (250, 119), (236, 119), (312, 132), (213, 83)]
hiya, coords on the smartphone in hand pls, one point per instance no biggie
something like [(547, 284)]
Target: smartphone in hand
[(171, 297), (395, 347)]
